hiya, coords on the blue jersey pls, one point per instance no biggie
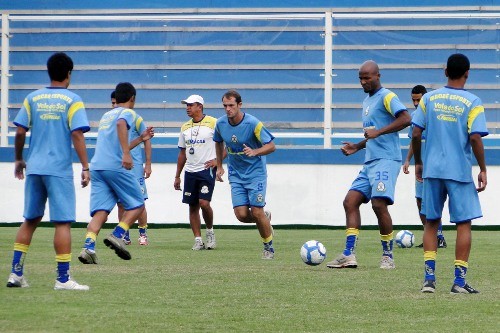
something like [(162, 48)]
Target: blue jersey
[(135, 131), (251, 132), (380, 110), (52, 114), (449, 117), (108, 151)]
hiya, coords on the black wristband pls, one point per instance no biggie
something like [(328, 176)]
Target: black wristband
[(86, 169)]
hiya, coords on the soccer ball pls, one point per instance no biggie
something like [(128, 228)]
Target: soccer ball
[(405, 239), (313, 252)]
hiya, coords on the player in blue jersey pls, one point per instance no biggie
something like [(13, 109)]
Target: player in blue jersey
[(416, 95), (112, 175), (197, 158), (57, 118), (142, 171), (247, 142), (383, 116), (454, 122)]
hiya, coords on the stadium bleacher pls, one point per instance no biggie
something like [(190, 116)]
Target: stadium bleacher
[(276, 64)]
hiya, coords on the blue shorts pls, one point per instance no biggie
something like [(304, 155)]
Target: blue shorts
[(61, 194), (463, 200), (139, 174), (198, 185), (249, 194), (377, 179), (110, 186), (419, 188)]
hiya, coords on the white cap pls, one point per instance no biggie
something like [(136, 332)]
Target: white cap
[(193, 99)]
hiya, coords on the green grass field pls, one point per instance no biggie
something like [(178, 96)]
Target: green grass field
[(166, 287)]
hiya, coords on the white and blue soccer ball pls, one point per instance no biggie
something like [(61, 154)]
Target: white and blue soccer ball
[(313, 252), (405, 239)]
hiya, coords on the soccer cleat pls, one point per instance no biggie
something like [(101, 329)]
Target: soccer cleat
[(266, 254), (456, 289), (87, 257), (143, 240), (429, 286), (211, 244), (268, 214), (442, 243), (118, 245), (127, 241), (198, 245), (421, 245), (343, 261), (16, 281), (387, 263), (70, 285)]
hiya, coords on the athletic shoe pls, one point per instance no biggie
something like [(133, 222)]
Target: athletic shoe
[(198, 245), (442, 243), (118, 245), (70, 285), (387, 263), (211, 244), (429, 286), (127, 241), (87, 257), (16, 281), (266, 254), (456, 289), (143, 240), (343, 261), (268, 214), (421, 245)]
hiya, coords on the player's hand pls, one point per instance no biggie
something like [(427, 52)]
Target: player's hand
[(349, 148), (148, 134), (147, 170), (371, 133), (211, 164), (220, 173), (177, 183), (127, 162), (249, 151), (85, 178), (418, 172), (19, 167), (481, 181), (406, 167)]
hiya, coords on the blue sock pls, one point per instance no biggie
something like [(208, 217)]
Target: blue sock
[(127, 235), (89, 244), (460, 272), (269, 246), (18, 262), (430, 267), (350, 243), (63, 272), (440, 231), (120, 230)]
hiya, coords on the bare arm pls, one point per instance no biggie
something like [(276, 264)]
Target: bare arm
[(406, 164), (19, 164), (266, 149), (122, 130), (403, 119), (478, 149), (219, 151), (147, 153), (181, 161), (416, 143), (81, 150), (350, 148)]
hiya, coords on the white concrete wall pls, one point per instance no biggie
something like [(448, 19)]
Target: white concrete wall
[(296, 194)]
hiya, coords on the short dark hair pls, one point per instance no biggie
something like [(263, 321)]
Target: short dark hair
[(113, 95), (233, 93), (58, 66), (124, 92), (419, 89), (457, 65)]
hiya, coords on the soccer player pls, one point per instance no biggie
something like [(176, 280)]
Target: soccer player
[(416, 95), (383, 116), (247, 142), (196, 138), (142, 172), (453, 116), (112, 175), (57, 118)]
